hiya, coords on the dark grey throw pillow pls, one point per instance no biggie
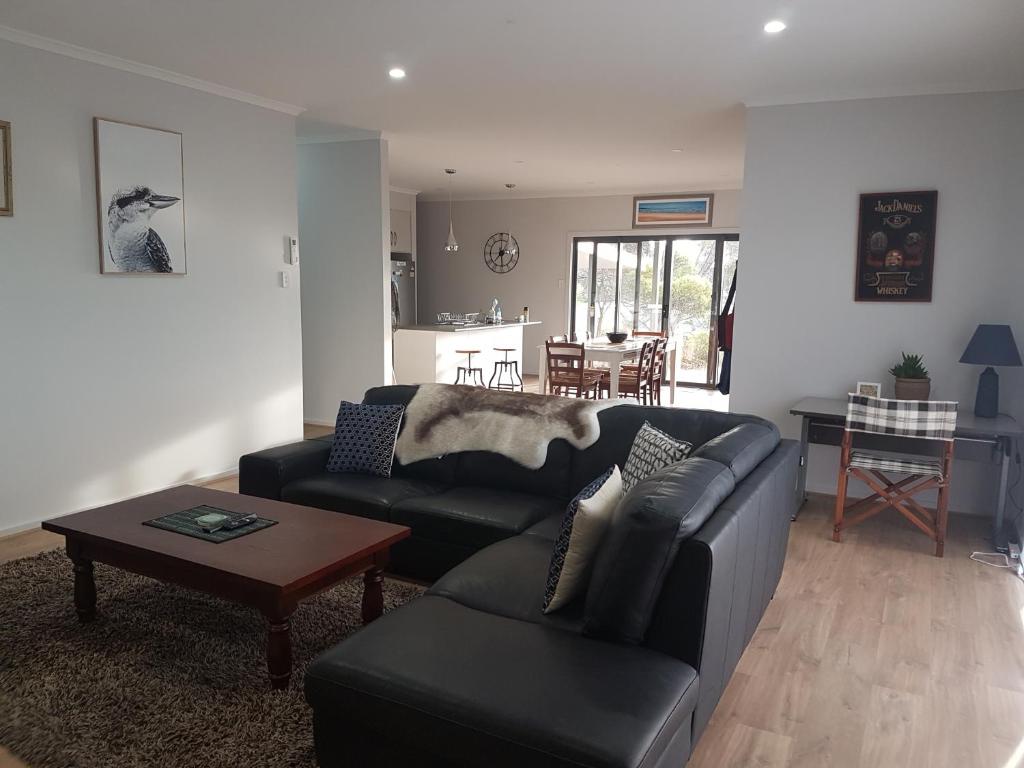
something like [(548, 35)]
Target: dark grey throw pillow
[(364, 439), (652, 450), (742, 448), (641, 544)]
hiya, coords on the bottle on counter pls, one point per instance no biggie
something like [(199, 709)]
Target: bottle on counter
[(526, 314)]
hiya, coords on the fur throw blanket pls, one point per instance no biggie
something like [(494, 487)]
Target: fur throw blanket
[(448, 418)]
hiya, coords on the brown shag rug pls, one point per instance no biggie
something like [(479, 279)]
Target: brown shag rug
[(163, 677)]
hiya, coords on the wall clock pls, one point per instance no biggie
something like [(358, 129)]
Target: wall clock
[(501, 252)]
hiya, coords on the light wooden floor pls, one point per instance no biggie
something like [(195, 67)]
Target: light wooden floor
[(873, 654)]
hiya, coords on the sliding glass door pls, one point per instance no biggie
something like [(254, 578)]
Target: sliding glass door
[(675, 283)]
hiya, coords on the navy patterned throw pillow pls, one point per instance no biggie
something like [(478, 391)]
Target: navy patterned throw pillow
[(584, 525), (364, 439), (652, 450)]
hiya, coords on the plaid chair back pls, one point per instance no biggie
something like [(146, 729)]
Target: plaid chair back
[(922, 419)]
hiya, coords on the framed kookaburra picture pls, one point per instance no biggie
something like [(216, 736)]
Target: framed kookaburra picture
[(141, 198)]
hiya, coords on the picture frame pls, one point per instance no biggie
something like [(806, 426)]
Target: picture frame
[(671, 211), (869, 389), (6, 171), (140, 197), (896, 246)]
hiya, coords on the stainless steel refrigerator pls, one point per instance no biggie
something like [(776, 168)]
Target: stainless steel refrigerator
[(403, 293)]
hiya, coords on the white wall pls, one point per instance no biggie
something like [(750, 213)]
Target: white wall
[(345, 236), (798, 331), (544, 228), (113, 385)]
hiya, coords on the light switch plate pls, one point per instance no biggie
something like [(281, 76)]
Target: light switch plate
[(284, 279), (293, 250)]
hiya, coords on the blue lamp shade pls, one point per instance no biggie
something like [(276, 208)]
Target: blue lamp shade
[(992, 345)]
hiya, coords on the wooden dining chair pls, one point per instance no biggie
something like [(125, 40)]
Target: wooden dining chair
[(658, 372), (636, 382), (654, 334), (910, 422), (568, 373)]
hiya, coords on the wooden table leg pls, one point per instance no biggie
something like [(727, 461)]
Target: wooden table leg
[(373, 594), (85, 587), (542, 370), (279, 652), (613, 381), (673, 372)]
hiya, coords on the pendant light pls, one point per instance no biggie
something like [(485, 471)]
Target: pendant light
[(452, 245), (511, 247)]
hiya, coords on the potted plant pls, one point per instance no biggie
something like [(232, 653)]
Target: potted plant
[(912, 382)]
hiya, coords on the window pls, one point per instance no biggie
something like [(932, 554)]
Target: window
[(675, 283)]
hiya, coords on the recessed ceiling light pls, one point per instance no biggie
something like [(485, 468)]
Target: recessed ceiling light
[(676, 150), (397, 73), (774, 26)]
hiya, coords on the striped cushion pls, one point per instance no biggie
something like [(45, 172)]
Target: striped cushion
[(907, 465)]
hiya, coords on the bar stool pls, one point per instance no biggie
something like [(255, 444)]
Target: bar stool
[(501, 367), (467, 374)]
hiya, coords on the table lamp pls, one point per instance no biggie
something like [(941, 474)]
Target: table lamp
[(990, 345)]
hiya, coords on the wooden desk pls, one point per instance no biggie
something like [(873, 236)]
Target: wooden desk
[(977, 439)]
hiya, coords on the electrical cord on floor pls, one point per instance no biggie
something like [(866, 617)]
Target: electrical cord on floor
[(1007, 562), (979, 557)]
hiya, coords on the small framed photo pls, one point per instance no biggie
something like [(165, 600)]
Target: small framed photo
[(6, 175), (869, 389), (672, 211)]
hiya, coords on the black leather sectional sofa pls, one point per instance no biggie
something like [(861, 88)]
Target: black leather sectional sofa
[(473, 673)]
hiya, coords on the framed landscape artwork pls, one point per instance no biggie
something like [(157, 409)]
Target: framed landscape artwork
[(6, 173), (140, 194), (896, 246), (672, 211)]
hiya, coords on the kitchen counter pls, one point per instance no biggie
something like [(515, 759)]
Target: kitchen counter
[(430, 353), (441, 328)]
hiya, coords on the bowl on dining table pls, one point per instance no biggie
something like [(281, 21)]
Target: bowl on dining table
[(617, 337)]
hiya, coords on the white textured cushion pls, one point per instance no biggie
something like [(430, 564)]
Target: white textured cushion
[(583, 527)]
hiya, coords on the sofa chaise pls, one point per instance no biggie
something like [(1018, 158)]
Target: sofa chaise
[(473, 673)]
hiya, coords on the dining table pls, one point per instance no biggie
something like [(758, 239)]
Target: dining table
[(614, 354)]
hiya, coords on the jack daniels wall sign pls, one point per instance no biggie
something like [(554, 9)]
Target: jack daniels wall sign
[(896, 246)]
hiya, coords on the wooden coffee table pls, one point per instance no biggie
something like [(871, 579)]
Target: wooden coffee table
[(271, 570)]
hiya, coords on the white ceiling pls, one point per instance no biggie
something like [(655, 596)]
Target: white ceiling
[(556, 96)]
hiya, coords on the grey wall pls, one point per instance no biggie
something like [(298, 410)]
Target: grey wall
[(544, 228), (113, 385), (344, 231), (798, 331)]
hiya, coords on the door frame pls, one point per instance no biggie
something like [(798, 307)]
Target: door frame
[(720, 238)]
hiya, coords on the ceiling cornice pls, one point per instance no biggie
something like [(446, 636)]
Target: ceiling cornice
[(126, 65), (439, 196), (881, 93)]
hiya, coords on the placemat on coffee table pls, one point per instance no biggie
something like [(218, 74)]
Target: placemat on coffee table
[(184, 522)]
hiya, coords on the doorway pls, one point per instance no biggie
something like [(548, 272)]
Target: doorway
[(673, 283)]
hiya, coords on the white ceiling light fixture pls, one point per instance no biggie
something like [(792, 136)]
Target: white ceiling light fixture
[(676, 150), (396, 73), (451, 245), (774, 26)]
